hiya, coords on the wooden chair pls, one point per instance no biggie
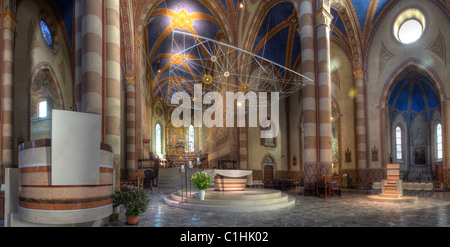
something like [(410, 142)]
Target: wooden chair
[(376, 186), (335, 189), (419, 187), (323, 189), (308, 189)]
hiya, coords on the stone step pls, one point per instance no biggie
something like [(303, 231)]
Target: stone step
[(230, 208), (232, 201)]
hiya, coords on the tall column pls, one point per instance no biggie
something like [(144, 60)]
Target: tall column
[(306, 20), (323, 21), (131, 123), (113, 77), (92, 56), (78, 52), (361, 156), (9, 23)]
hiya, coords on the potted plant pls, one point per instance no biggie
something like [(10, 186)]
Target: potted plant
[(134, 200), (201, 181)]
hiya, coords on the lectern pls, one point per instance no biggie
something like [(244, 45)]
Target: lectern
[(392, 187)]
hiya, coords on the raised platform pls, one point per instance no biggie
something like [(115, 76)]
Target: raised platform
[(388, 198), (250, 200)]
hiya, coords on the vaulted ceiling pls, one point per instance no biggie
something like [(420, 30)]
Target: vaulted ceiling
[(414, 95), (276, 37)]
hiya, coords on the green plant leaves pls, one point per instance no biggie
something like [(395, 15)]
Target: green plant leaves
[(134, 200)]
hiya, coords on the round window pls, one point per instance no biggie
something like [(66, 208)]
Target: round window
[(47, 34), (409, 26), (410, 31)]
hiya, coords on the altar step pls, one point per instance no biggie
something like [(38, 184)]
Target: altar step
[(251, 200), (169, 179)]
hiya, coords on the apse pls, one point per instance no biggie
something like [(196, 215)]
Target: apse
[(414, 111)]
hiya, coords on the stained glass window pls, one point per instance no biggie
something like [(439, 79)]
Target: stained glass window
[(439, 141), (398, 142), (191, 139), (158, 139), (47, 34)]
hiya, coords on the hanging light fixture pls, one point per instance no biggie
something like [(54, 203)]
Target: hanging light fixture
[(241, 5), (159, 66)]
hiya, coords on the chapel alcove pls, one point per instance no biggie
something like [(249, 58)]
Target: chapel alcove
[(414, 110)]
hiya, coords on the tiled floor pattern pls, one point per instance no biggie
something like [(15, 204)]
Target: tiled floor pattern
[(352, 209)]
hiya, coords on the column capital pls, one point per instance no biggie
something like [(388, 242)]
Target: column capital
[(130, 79), (323, 17), (8, 21), (358, 73)]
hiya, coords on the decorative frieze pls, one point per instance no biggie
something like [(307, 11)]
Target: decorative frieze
[(438, 46), (384, 56)]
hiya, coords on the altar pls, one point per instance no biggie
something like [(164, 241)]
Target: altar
[(232, 180)]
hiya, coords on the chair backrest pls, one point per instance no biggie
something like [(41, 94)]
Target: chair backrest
[(422, 186), (406, 186), (376, 185), (320, 182), (418, 186), (428, 186)]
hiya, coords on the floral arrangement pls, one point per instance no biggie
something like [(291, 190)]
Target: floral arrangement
[(201, 180), (133, 199)]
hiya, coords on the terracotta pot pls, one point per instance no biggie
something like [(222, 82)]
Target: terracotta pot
[(132, 219)]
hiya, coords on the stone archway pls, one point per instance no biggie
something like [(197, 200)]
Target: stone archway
[(268, 167), (44, 88)]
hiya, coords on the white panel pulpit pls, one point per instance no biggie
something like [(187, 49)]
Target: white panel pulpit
[(75, 148)]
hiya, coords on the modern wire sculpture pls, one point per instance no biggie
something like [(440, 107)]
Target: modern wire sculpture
[(222, 68)]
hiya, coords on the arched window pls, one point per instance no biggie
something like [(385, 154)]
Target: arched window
[(158, 139), (191, 139), (398, 142), (439, 141), (42, 109)]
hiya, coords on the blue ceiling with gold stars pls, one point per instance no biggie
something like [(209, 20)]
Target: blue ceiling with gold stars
[(277, 38)]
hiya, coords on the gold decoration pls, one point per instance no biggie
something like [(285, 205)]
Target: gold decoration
[(130, 79), (323, 17), (9, 21), (244, 88), (207, 79), (182, 20)]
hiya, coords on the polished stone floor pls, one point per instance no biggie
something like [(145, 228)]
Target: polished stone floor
[(352, 209)]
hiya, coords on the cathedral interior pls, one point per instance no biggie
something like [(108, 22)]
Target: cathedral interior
[(362, 84)]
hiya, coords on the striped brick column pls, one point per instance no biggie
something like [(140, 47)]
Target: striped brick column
[(361, 152), (92, 56), (306, 20), (131, 123), (8, 28), (78, 52), (113, 77), (323, 21)]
